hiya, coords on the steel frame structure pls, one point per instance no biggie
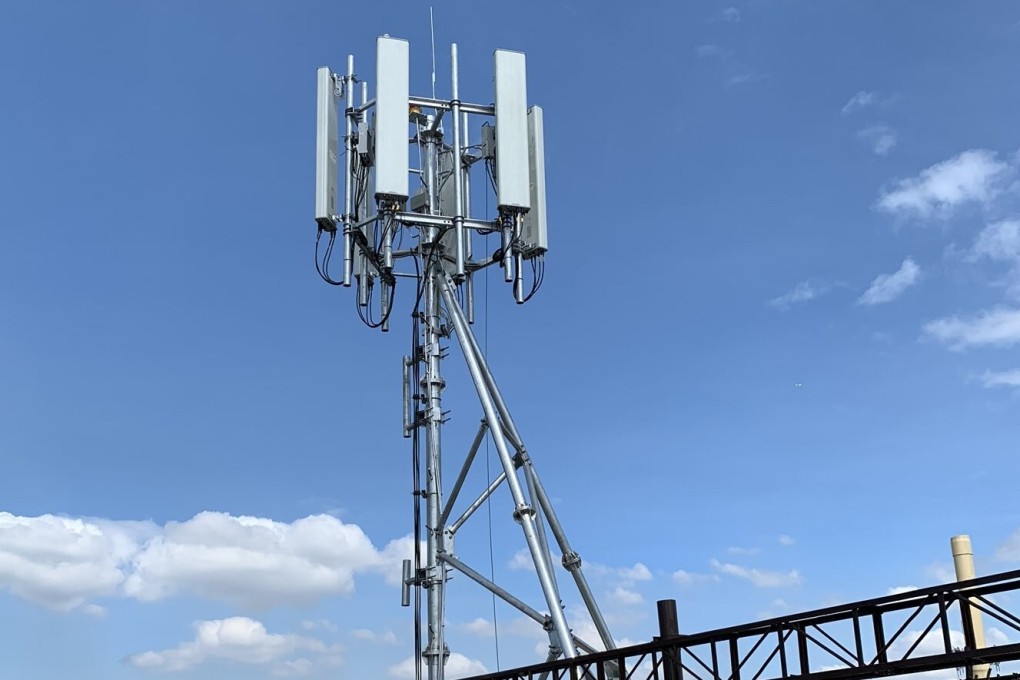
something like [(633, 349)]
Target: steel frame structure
[(443, 266), (921, 630)]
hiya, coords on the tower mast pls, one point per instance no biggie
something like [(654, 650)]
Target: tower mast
[(438, 221)]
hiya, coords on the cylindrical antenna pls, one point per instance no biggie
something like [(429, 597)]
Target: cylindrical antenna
[(468, 250), (384, 306), (407, 397), (963, 561), (408, 580), (507, 233), (349, 111), (458, 180), (518, 261)]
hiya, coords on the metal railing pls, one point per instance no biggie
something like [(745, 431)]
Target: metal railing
[(920, 630)]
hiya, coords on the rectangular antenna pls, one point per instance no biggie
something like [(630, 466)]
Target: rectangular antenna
[(391, 119), (533, 229), (511, 131), (326, 138)]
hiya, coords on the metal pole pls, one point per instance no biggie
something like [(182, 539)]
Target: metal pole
[(469, 295), (963, 561), (523, 512), (349, 111), (435, 571), (477, 503), (458, 189), (452, 498), (510, 599), (571, 560)]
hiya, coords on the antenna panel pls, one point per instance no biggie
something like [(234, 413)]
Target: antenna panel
[(512, 131), (391, 111), (533, 229), (326, 139)]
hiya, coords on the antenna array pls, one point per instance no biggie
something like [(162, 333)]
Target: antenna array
[(379, 215)]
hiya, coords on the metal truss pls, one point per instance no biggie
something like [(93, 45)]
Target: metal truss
[(921, 630)]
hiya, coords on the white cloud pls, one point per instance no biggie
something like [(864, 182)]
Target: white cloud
[(860, 101), (521, 561), (940, 572), (975, 176), (710, 51), (239, 639), (998, 241), (320, 624), (457, 666), (387, 637), (1010, 550), (804, 291), (746, 77), (899, 590), (480, 626), (64, 563), (687, 578), (888, 287), (1001, 378), (252, 561), (627, 596), (638, 572), (999, 327), (739, 550), (759, 577), (730, 14), (881, 138), (786, 540)]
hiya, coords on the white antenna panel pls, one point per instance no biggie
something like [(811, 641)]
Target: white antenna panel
[(512, 131), (326, 139), (391, 111), (533, 229)]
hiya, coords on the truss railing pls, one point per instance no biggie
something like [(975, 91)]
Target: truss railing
[(927, 629)]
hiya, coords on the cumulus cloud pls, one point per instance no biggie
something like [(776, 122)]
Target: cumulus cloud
[(1010, 550), (387, 637), (252, 561), (998, 327), (1000, 243), (238, 639), (899, 590), (881, 138), (976, 176), (759, 577), (457, 666), (521, 561), (627, 596), (786, 540), (1001, 378), (63, 562), (480, 626), (804, 291), (687, 578), (860, 101), (638, 572), (888, 287), (730, 14), (710, 51)]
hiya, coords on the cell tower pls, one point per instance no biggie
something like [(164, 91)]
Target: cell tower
[(379, 215)]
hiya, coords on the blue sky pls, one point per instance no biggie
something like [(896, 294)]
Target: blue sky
[(773, 366)]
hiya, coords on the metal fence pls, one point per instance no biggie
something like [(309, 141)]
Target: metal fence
[(921, 630)]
